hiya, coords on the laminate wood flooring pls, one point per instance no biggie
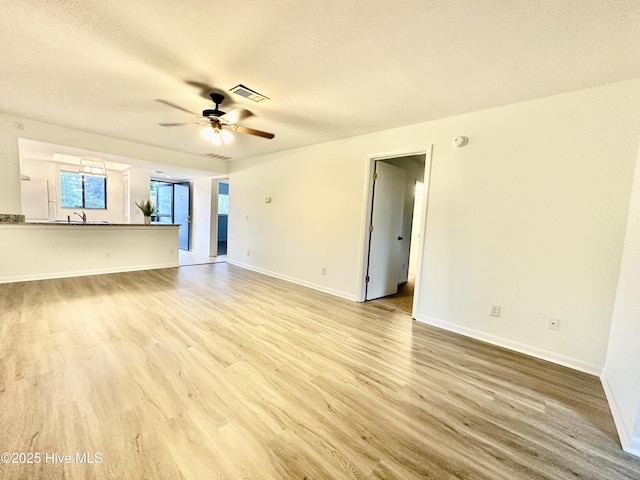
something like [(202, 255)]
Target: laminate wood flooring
[(401, 301), (215, 372), (186, 258)]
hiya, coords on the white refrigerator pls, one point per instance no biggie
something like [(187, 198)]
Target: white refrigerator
[(39, 200)]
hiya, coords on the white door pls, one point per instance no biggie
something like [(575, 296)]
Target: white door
[(385, 239)]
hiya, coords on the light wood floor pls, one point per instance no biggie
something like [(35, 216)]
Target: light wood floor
[(215, 372), (186, 257), (402, 301)]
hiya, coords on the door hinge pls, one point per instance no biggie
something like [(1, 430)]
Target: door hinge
[(366, 279), (375, 176), (370, 228)]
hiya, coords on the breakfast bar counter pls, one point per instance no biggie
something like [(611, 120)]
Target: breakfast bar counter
[(35, 251)]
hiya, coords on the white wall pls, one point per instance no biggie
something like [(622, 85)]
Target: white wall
[(12, 128), (10, 201), (621, 375), (312, 221), (139, 191), (204, 232), (530, 215)]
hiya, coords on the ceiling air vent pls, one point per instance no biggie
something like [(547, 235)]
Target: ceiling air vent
[(246, 92), (215, 155)]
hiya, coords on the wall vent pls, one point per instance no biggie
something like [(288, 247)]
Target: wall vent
[(246, 92)]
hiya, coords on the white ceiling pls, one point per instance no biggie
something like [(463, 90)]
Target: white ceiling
[(332, 68)]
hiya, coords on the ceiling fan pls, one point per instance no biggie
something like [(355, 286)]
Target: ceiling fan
[(217, 124)]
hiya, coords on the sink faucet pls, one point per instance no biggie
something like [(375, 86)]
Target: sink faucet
[(83, 216)]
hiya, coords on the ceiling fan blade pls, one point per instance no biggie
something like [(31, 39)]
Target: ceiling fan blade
[(251, 131), (175, 106), (178, 124), (235, 115)]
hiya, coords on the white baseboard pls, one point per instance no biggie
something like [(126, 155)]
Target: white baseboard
[(314, 286), (512, 345), (82, 273), (624, 435), (633, 447), (630, 444)]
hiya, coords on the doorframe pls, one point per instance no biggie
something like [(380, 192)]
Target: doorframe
[(367, 206), (189, 185), (215, 191)]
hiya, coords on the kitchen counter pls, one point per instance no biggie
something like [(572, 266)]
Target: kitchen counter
[(35, 251), (11, 218), (92, 223)]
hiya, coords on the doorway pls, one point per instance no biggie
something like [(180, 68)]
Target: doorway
[(173, 201), (394, 230), (223, 216)]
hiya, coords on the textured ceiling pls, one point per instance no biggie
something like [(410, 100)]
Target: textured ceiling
[(332, 68)]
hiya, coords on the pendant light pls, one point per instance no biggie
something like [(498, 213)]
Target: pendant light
[(94, 168)]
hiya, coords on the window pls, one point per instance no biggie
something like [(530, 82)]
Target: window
[(161, 196), (82, 191)]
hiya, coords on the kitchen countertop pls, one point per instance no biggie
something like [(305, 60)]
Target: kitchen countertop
[(7, 218), (89, 224)]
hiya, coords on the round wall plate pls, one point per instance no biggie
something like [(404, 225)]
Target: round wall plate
[(460, 141)]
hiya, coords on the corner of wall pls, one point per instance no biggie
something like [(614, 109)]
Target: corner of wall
[(623, 433), (314, 286), (634, 446), (10, 185), (553, 357)]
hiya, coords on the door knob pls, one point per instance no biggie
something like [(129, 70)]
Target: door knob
[(399, 238)]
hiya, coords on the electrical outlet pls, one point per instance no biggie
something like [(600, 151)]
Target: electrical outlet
[(553, 323), (107, 255), (494, 310), (247, 253), (324, 270), (172, 251)]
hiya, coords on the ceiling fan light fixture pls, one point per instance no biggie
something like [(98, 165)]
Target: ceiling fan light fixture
[(207, 133), (215, 137), (226, 135), (219, 121)]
